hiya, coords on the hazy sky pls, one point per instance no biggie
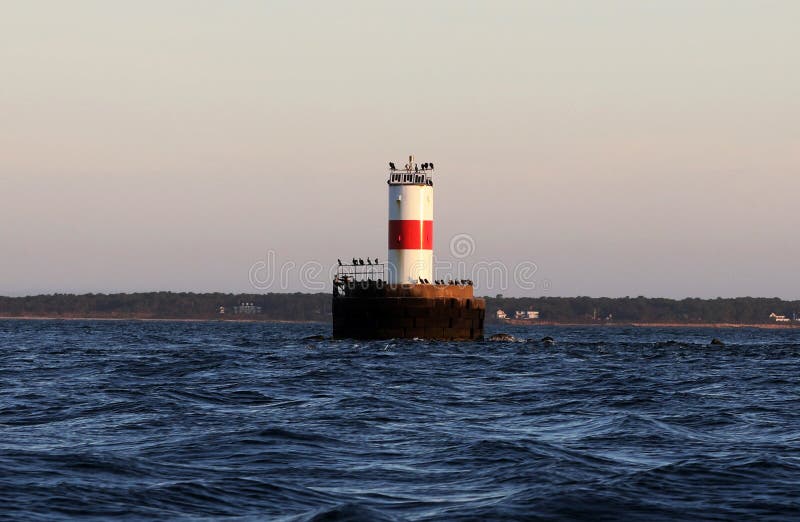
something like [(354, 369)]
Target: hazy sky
[(624, 147)]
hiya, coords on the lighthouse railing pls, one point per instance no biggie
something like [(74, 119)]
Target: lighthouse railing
[(359, 272)]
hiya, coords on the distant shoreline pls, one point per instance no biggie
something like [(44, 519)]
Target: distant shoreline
[(764, 326), (641, 312), (149, 319)]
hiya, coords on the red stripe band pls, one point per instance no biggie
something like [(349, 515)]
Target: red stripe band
[(410, 234)]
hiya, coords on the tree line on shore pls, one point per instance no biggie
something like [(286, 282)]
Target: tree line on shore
[(172, 305), (739, 310), (317, 307)]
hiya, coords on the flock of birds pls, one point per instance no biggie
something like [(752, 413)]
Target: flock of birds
[(360, 262), (370, 262), (424, 166), (451, 282)]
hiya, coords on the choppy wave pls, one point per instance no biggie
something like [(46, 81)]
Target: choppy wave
[(257, 421)]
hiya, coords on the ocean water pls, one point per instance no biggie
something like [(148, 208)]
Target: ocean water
[(171, 420)]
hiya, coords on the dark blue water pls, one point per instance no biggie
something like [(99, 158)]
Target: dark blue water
[(212, 421)]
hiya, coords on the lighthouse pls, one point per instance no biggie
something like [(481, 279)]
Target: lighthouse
[(401, 298), (411, 223)]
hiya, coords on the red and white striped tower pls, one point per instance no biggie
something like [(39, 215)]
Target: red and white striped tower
[(410, 223)]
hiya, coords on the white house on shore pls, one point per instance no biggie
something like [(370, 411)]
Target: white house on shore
[(519, 314), (779, 318)]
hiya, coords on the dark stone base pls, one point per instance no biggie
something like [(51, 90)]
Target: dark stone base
[(366, 315)]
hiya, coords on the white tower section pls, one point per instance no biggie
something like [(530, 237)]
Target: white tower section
[(411, 224)]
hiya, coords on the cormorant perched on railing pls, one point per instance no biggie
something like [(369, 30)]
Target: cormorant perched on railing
[(391, 165), (360, 261), (369, 262), (354, 261), (376, 260), (421, 280), (340, 262)]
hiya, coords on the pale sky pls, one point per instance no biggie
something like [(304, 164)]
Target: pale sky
[(624, 147)]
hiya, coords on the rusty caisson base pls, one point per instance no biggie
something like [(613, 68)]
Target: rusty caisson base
[(369, 310)]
